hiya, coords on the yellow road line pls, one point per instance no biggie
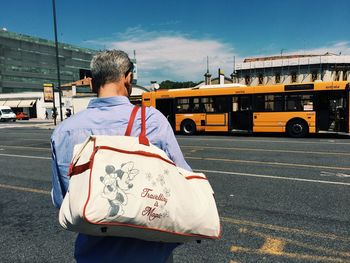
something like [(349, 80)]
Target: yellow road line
[(223, 219), (285, 229), (238, 249), (24, 189), (268, 163), (273, 246), (273, 243), (263, 150)]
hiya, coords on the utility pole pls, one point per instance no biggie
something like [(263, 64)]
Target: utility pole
[(57, 58)]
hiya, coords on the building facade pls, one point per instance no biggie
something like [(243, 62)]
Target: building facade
[(292, 69), (27, 62)]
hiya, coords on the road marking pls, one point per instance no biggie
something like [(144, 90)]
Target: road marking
[(25, 189), (292, 242), (25, 147), (25, 156), (192, 138), (273, 246), (238, 249), (341, 175), (285, 229), (273, 177), (268, 163), (264, 150)]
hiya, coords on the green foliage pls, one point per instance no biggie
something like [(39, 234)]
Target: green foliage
[(168, 84)]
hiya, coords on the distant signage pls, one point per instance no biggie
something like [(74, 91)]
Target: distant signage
[(48, 92), (299, 87)]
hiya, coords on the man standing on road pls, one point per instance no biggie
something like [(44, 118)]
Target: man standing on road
[(112, 75)]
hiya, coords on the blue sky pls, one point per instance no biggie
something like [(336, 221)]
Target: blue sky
[(173, 38)]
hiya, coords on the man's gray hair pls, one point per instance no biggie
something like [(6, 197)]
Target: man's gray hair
[(109, 66)]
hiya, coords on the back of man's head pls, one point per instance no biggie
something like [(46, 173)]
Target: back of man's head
[(109, 66)]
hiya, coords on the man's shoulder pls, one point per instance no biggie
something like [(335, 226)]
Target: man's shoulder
[(155, 115), (71, 123)]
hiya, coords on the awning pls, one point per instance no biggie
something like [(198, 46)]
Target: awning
[(26, 103), (12, 103)]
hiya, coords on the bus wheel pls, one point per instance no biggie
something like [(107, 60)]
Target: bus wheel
[(188, 127), (297, 128)]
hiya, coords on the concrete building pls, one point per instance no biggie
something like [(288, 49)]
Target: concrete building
[(292, 69), (26, 63)]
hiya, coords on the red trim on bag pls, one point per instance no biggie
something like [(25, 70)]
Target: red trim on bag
[(83, 167), (79, 169), (155, 229), (130, 225), (131, 121), (143, 153), (195, 177)]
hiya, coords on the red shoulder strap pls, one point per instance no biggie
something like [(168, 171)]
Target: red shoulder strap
[(142, 137), (131, 121)]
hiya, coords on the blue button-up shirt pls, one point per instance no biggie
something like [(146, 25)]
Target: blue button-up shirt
[(110, 116)]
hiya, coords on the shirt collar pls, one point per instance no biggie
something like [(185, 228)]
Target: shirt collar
[(108, 101)]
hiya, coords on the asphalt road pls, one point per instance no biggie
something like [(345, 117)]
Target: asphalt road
[(280, 199)]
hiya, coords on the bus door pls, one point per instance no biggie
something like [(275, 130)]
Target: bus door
[(167, 107), (241, 113), (332, 111)]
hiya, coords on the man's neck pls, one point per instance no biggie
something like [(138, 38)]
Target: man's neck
[(112, 89)]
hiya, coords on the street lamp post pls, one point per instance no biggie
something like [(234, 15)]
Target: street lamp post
[(57, 58)]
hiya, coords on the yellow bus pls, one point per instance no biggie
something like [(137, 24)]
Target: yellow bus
[(295, 109)]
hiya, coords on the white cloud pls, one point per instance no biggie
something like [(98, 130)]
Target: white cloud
[(341, 47), (180, 57), (171, 55)]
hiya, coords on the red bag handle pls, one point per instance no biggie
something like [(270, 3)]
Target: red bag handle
[(131, 121), (142, 137)]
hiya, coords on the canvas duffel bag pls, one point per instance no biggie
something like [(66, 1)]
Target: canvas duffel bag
[(125, 186)]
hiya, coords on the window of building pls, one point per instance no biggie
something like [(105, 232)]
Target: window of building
[(247, 80), (261, 79), (337, 75), (294, 77), (345, 75), (278, 78), (314, 76)]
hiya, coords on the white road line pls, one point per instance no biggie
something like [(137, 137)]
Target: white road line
[(267, 163), (262, 150), (26, 147), (272, 177), (295, 141), (25, 156)]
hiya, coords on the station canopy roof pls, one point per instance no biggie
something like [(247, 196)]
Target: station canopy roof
[(23, 103)]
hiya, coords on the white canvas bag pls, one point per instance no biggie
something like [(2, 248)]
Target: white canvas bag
[(125, 186)]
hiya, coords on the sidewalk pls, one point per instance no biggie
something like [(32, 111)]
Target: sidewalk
[(43, 123)]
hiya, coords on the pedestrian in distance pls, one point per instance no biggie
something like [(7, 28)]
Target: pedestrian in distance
[(54, 113), (68, 113), (46, 115), (112, 77)]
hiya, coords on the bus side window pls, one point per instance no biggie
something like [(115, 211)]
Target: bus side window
[(234, 104), (259, 103)]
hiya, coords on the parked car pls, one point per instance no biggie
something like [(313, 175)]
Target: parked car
[(22, 116), (6, 114)]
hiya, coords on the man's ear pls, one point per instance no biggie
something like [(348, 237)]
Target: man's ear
[(128, 79)]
